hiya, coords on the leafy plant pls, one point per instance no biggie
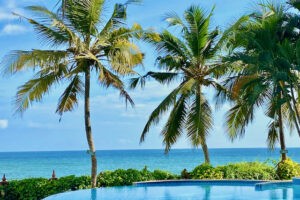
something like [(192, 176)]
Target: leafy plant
[(287, 169), (248, 170), (163, 175), (206, 171), (127, 177), (39, 188)]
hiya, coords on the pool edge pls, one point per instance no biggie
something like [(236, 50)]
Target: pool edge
[(202, 181)]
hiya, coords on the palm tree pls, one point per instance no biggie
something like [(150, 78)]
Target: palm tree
[(80, 42), (265, 76), (191, 58)]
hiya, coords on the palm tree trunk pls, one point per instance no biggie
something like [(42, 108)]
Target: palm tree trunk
[(88, 128), (281, 136), (203, 143), (205, 152)]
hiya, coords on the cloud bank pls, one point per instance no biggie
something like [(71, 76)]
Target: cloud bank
[(13, 29), (3, 123)]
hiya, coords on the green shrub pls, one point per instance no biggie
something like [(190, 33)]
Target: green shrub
[(248, 170), (287, 169), (146, 174), (206, 171), (121, 177), (163, 175), (38, 188)]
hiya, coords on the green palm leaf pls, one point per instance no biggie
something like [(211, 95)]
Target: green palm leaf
[(22, 60), (162, 108), (34, 90), (69, 98), (174, 127), (199, 120)]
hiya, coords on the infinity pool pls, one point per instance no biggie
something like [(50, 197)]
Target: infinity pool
[(188, 190)]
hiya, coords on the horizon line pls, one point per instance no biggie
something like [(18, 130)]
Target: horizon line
[(31, 151)]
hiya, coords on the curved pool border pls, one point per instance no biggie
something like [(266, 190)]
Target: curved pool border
[(197, 181), (259, 185)]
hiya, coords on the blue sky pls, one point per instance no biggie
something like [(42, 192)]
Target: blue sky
[(114, 126)]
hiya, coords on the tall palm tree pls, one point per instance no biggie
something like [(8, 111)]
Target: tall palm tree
[(265, 54), (190, 57), (80, 42)]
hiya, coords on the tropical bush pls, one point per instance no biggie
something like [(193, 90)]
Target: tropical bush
[(242, 170), (39, 188), (206, 171), (163, 175), (127, 177), (287, 169), (119, 177), (248, 170)]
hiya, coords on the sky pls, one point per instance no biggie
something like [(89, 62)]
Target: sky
[(114, 125)]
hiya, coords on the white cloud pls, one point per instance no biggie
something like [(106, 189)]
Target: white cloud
[(9, 19), (7, 16), (7, 9), (3, 123), (13, 29)]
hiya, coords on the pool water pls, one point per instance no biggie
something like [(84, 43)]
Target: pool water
[(185, 192)]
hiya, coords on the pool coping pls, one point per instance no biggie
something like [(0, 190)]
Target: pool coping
[(258, 184), (200, 181)]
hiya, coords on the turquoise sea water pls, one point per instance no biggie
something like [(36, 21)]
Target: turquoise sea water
[(19, 165)]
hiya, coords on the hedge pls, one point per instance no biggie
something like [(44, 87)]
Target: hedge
[(39, 188)]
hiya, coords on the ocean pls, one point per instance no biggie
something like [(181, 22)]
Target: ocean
[(18, 165)]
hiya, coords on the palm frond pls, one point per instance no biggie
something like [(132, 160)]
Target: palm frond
[(171, 63), (109, 79), (34, 89), (174, 127), (22, 60), (273, 136), (84, 15), (47, 34), (55, 22), (237, 118), (173, 19), (161, 77), (168, 44), (162, 108), (198, 29), (188, 86), (123, 56), (117, 18), (199, 120), (69, 99)]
